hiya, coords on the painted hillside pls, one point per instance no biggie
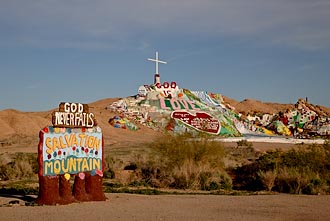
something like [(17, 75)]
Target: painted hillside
[(179, 110), (168, 107)]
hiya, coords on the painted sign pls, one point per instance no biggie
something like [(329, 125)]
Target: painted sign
[(178, 104), (70, 151), (200, 121), (71, 148), (73, 115), (167, 89)]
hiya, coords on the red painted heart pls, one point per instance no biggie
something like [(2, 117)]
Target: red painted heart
[(200, 121)]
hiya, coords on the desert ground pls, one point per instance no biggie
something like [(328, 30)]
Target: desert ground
[(176, 207), (121, 206)]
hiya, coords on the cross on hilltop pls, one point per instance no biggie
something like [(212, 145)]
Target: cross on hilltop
[(157, 76)]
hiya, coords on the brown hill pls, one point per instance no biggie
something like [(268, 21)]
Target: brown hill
[(254, 106), (250, 106), (22, 128), (22, 124)]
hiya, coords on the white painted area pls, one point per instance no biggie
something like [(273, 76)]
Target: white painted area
[(204, 97), (325, 129), (272, 139), (142, 91)]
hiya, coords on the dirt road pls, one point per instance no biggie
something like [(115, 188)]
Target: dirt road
[(177, 207)]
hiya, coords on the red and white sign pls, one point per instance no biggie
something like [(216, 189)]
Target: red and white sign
[(168, 89), (201, 121)]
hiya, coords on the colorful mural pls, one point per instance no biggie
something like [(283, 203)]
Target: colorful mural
[(167, 90), (71, 148), (123, 123), (154, 110), (67, 151), (302, 121), (178, 104), (200, 121), (160, 106), (205, 98)]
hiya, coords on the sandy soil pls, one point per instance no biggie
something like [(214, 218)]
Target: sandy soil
[(177, 207), (263, 147)]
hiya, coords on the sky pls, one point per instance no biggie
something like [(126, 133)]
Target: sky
[(54, 51)]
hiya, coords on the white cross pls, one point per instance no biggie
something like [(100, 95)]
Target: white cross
[(157, 61)]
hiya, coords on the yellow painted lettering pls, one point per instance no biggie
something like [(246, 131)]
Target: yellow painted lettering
[(50, 166), (74, 140), (90, 163), (65, 163), (84, 166), (97, 143), (49, 145), (67, 140), (57, 166), (91, 141), (72, 164), (56, 143), (79, 162), (82, 137), (62, 144), (96, 164), (86, 141)]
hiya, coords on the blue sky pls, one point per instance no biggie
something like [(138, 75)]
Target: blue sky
[(82, 51)]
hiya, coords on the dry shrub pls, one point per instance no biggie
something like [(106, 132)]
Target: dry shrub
[(300, 181), (302, 170), (21, 166), (244, 143), (186, 163), (268, 178), (295, 180), (110, 166)]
